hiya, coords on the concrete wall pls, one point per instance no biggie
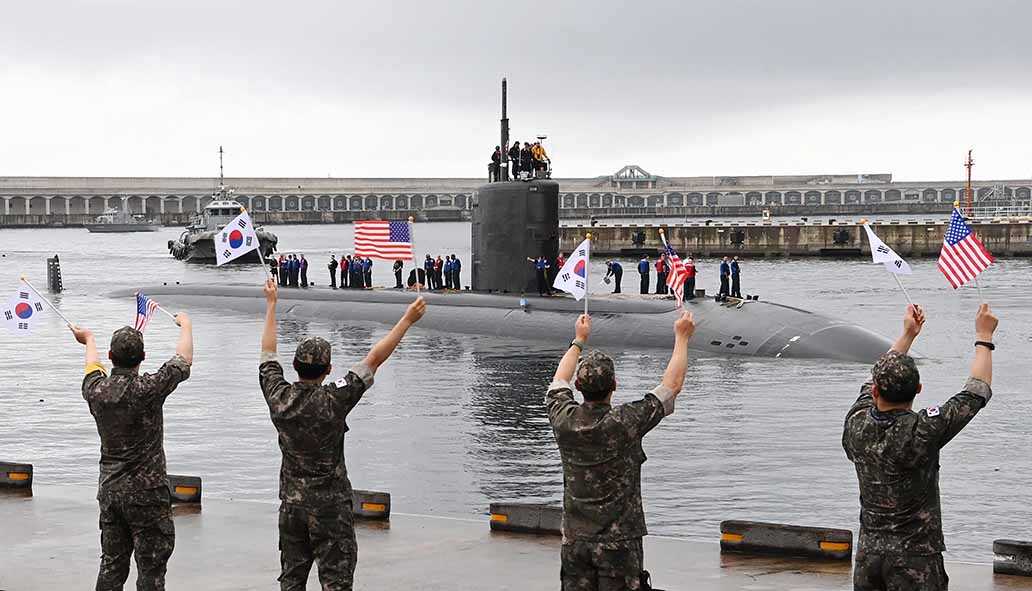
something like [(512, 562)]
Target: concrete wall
[(908, 239)]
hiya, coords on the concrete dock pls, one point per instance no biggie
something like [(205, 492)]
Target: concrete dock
[(51, 541)]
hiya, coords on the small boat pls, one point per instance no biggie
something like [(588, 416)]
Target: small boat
[(197, 242), (114, 220)]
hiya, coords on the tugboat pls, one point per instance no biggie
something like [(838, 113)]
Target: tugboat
[(197, 243), (113, 220)]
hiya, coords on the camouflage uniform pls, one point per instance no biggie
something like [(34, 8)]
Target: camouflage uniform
[(316, 522), (896, 455), (600, 445), (135, 509)]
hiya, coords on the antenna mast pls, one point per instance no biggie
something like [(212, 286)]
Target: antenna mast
[(504, 172), (970, 196), (221, 180)]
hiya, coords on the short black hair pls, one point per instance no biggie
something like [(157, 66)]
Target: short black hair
[(897, 377), (125, 360), (594, 396), (310, 371)]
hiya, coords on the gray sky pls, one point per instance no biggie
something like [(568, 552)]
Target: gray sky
[(411, 88)]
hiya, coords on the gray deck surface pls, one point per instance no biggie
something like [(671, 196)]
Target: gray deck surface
[(51, 541)]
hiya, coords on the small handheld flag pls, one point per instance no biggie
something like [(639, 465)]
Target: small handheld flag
[(23, 311), (145, 308), (881, 253), (678, 272), (573, 276), (236, 239), (962, 256)]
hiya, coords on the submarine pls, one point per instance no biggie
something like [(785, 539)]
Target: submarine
[(512, 219)]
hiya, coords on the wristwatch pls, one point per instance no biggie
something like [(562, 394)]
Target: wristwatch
[(986, 344), (578, 344)]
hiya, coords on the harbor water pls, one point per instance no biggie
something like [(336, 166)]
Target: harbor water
[(456, 421)]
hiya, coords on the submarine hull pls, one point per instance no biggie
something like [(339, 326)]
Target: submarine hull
[(759, 329)]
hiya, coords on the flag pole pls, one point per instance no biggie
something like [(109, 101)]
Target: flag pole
[(166, 312), (587, 267), (900, 283), (981, 299), (412, 240), (258, 247), (49, 303)]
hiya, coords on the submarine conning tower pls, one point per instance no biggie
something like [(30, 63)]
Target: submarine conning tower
[(513, 221)]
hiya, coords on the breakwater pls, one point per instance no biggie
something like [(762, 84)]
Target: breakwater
[(908, 238)]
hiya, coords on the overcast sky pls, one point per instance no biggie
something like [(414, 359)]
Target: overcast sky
[(411, 88)]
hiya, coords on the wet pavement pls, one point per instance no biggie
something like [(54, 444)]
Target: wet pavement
[(50, 541)]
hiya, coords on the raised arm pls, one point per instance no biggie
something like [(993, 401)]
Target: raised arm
[(184, 348), (269, 332), (985, 326), (913, 322), (383, 349), (673, 377), (568, 364), (85, 337)]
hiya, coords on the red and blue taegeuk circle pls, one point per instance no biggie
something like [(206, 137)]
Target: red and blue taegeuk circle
[(236, 238), (579, 268), (23, 311)]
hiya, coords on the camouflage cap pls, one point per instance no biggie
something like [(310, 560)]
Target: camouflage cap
[(127, 344), (896, 376), (595, 373), (313, 351)]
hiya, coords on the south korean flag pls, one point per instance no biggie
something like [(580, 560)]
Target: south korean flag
[(23, 312), (235, 240), (881, 253), (573, 277)]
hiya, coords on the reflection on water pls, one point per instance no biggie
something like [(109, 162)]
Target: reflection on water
[(455, 422)]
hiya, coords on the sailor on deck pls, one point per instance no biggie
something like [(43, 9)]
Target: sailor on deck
[(643, 269), (614, 270)]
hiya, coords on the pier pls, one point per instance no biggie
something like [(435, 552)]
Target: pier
[(914, 238), (51, 541)]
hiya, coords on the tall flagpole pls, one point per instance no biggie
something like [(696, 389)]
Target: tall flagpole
[(49, 303), (412, 241), (587, 267)]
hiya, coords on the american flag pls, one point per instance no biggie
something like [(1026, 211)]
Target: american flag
[(145, 308), (677, 274), (962, 257), (381, 239)]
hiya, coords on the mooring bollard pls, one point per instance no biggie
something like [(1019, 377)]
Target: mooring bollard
[(1012, 557), (185, 489), (14, 475), (369, 504), (527, 518), (754, 537)]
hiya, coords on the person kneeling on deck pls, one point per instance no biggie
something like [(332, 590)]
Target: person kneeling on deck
[(316, 517), (135, 503), (600, 446), (896, 455)]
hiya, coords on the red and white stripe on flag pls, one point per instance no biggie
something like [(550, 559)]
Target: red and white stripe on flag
[(677, 275), (962, 256), (382, 239)]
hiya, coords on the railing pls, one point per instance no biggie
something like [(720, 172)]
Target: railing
[(1017, 210)]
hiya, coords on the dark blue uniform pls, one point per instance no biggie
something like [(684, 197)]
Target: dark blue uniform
[(616, 272), (643, 270), (725, 273), (736, 284)]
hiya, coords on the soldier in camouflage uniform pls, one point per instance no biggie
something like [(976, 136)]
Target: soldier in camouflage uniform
[(315, 516), (896, 454), (600, 445), (135, 507)]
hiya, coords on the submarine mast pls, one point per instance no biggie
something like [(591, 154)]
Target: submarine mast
[(504, 167)]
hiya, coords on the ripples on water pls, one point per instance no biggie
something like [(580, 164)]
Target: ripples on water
[(456, 421)]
